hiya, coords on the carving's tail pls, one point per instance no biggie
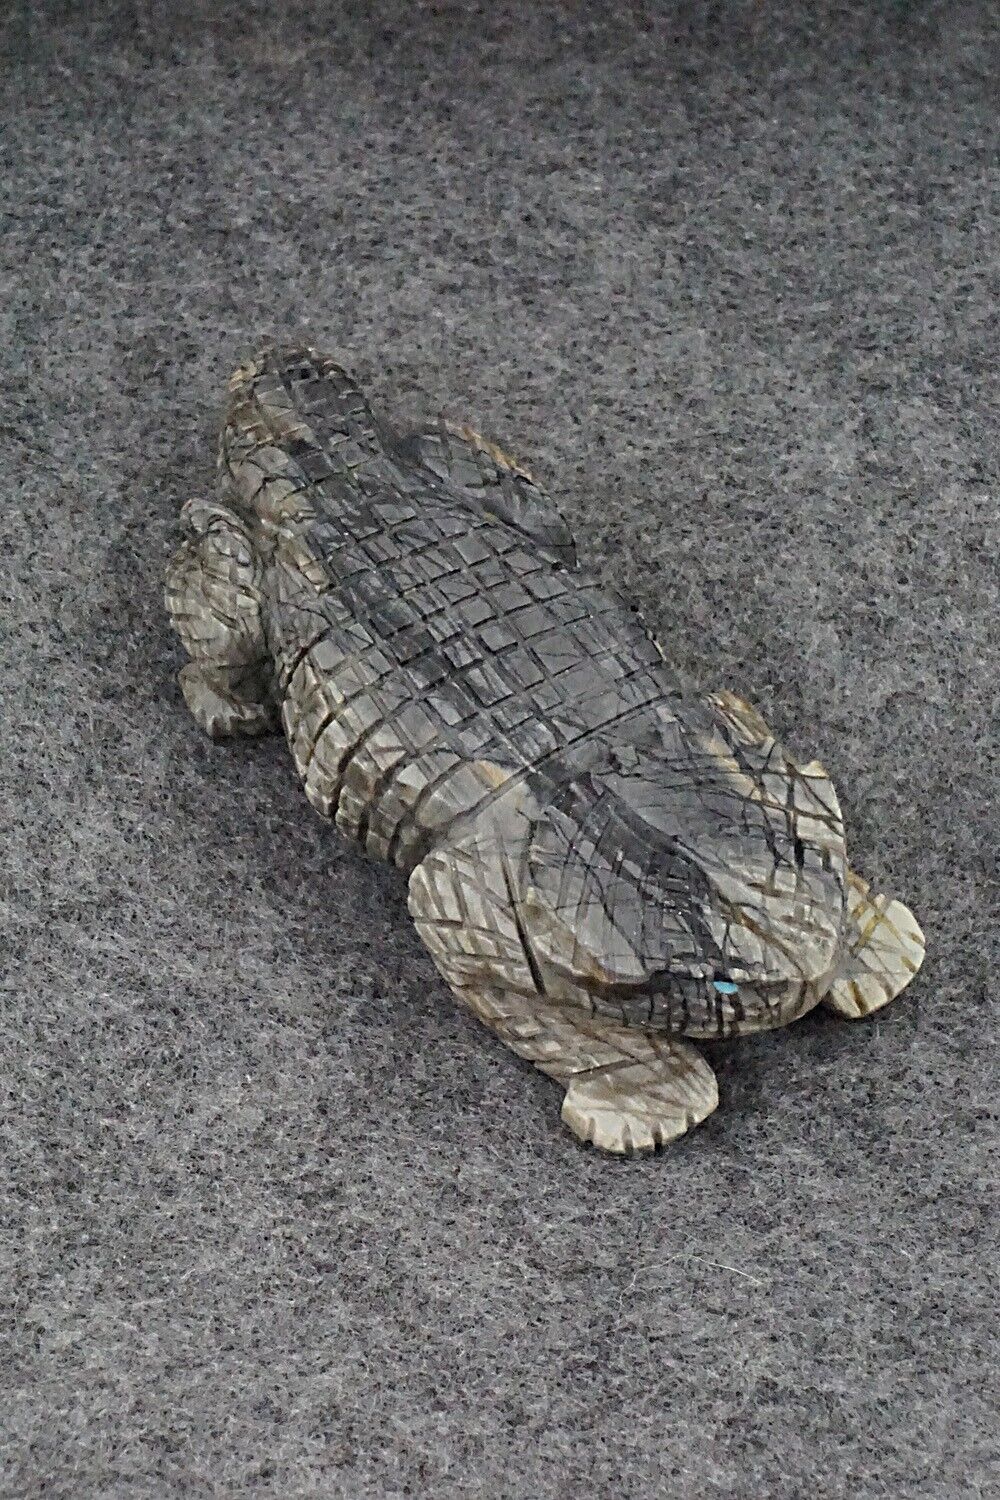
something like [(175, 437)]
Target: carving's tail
[(291, 394)]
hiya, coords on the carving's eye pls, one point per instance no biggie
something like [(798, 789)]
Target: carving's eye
[(725, 986)]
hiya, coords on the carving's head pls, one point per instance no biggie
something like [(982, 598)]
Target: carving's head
[(691, 882)]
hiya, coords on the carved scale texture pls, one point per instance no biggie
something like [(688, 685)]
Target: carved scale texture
[(581, 838)]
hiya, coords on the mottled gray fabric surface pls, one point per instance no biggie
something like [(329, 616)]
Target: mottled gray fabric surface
[(277, 1219)]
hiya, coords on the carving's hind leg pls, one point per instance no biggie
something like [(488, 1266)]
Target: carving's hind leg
[(493, 482), (626, 1089), (212, 595)]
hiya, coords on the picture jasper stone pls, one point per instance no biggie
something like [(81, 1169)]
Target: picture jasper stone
[(604, 868)]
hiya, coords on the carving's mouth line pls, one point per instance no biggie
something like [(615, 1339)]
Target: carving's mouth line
[(825, 981)]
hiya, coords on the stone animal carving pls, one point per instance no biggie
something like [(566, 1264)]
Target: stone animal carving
[(605, 869)]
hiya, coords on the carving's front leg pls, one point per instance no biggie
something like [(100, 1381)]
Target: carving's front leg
[(884, 948), (626, 1089)]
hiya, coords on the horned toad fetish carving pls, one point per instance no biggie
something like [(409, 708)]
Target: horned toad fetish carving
[(604, 869)]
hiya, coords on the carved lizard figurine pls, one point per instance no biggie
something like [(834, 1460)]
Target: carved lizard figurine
[(604, 869)]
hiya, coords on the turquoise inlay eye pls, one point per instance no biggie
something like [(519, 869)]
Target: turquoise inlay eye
[(725, 986)]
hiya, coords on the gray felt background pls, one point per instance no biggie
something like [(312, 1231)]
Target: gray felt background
[(277, 1218)]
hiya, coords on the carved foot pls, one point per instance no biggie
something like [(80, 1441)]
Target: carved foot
[(641, 1106), (626, 1090), (885, 948), (226, 701)]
